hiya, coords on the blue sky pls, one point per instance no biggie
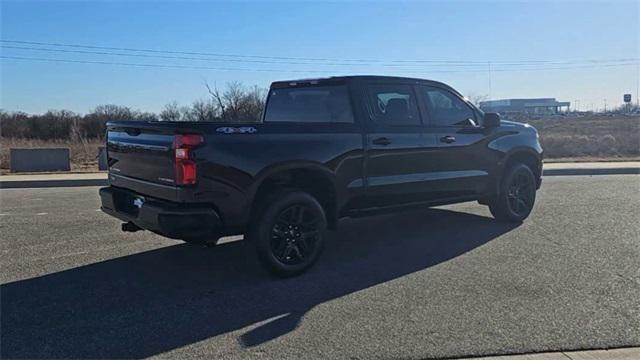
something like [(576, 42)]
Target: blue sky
[(480, 31)]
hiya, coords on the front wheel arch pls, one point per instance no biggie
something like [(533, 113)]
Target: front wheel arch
[(526, 156)]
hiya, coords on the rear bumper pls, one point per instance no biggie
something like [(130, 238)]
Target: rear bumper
[(173, 220)]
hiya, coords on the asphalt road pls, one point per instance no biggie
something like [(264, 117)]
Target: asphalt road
[(434, 283)]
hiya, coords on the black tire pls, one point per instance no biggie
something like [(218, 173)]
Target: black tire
[(516, 195), (288, 232)]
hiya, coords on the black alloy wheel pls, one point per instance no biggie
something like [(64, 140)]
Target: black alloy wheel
[(294, 234), (520, 194), (516, 194), (288, 231)]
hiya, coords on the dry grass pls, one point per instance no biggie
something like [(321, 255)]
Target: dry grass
[(592, 138), (83, 153)]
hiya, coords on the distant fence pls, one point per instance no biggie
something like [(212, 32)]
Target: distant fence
[(39, 160)]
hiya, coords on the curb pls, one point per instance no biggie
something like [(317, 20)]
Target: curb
[(44, 183), (52, 183), (591, 171)]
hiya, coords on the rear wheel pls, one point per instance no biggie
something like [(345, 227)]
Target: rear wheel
[(516, 195), (288, 232)]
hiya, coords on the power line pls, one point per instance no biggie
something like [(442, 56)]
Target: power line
[(174, 66), (376, 61), (168, 66), (168, 56), (179, 52), (566, 67), (89, 52)]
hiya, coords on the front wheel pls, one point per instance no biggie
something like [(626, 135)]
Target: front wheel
[(288, 232), (516, 195)]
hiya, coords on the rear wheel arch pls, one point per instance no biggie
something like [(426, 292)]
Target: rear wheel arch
[(314, 180)]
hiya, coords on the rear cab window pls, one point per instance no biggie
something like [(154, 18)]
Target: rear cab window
[(309, 104)]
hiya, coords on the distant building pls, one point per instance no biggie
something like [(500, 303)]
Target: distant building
[(541, 106)]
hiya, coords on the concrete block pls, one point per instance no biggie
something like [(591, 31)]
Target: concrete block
[(39, 160), (102, 159)]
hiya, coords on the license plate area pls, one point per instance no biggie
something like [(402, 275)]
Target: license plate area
[(128, 203)]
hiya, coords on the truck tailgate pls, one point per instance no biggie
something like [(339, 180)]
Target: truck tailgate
[(141, 153)]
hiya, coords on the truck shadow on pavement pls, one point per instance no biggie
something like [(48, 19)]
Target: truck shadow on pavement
[(152, 302)]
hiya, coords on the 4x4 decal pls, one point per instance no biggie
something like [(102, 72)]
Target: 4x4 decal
[(237, 130)]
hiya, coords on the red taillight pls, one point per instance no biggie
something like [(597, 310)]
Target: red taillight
[(186, 172), (186, 169)]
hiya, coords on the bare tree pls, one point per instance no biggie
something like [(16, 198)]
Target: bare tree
[(253, 104), (171, 112), (146, 116), (204, 111), (215, 95), (233, 97), (113, 112), (237, 103)]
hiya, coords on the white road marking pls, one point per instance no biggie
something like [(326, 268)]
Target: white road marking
[(40, 214), (229, 239)]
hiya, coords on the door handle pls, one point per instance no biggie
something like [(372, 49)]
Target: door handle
[(382, 141), (447, 139)]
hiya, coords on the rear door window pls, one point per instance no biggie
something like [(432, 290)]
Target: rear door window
[(394, 105), (313, 104)]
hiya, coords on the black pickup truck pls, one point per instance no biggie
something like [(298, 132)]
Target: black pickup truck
[(325, 149)]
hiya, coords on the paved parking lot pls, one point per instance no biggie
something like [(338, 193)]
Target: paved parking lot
[(442, 282)]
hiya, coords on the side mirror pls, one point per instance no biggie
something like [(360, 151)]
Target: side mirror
[(491, 120)]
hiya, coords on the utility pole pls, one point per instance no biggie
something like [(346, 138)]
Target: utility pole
[(489, 66), (605, 105)]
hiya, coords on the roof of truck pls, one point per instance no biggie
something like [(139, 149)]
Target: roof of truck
[(381, 78)]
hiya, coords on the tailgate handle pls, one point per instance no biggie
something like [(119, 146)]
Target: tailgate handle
[(447, 139), (132, 131), (382, 141)]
